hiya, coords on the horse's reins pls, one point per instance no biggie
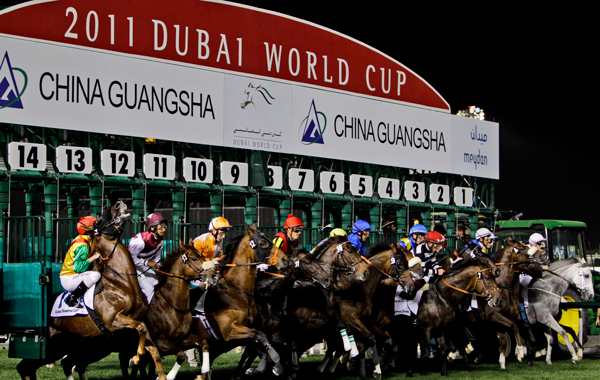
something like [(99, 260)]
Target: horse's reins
[(388, 276), (488, 296)]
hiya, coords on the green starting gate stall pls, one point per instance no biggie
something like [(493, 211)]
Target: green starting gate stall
[(80, 137)]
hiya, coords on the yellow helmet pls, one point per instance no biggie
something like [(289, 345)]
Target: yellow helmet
[(338, 232), (219, 223)]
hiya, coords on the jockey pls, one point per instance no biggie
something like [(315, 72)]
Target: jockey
[(536, 242), (484, 238), (360, 233), (75, 276), (210, 244), (145, 249), (288, 240), (415, 238), (434, 242)]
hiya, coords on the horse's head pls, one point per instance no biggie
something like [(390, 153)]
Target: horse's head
[(474, 254), (196, 266), (413, 263), (112, 221), (580, 275), (341, 257), (486, 285), (264, 249), (310, 267)]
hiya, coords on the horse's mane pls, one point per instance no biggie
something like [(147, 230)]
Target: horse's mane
[(167, 263), (323, 245), (230, 250), (378, 248), (563, 263)]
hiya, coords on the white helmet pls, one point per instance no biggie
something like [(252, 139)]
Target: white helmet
[(537, 239), (484, 232)]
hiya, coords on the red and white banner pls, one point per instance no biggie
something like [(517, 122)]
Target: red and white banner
[(219, 73)]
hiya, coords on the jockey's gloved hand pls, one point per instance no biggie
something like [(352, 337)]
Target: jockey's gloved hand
[(262, 267)]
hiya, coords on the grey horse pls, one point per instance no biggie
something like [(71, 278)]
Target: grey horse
[(546, 294)]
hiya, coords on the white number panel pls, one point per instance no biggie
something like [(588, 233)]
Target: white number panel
[(361, 185), (332, 182), (439, 194), (301, 179), (415, 191), (274, 177), (198, 170), (74, 159), (27, 156), (388, 188), (234, 173), (159, 166), (117, 163), (463, 196)]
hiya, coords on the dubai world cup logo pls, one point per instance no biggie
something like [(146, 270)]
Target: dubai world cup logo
[(313, 126), (10, 96)]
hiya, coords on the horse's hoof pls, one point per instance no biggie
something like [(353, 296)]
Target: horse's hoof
[(278, 369), (133, 363), (529, 363), (409, 373), (377, 375)]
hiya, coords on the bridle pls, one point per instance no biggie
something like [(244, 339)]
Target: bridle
[(488, 296)]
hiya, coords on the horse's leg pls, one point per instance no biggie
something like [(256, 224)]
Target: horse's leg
[(68, 364), (550, 342), (355, 323), (502, 348), (571, 332), (554, 325), (326, 359), (443, 355), (238, 331)]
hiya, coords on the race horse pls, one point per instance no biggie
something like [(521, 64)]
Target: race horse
[(312, 309), (270, 293), (438, 305), (120, 305), (356, 304), (512, 260), (546, 294), (230, 307), (169, 314)]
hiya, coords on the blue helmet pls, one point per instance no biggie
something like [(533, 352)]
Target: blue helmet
[(418, 229), (361, 225)]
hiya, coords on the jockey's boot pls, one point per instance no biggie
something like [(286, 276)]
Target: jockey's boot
[(73, 298)]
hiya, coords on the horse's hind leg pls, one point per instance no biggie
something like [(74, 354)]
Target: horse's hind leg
[(554, 325)]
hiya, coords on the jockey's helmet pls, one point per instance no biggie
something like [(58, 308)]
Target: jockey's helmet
[(338, 232), (87, 221), (360, 226), (435, 237), (219, 223), (537, 239), (418, 229), (292, 221), (484, 233), (155, 219)]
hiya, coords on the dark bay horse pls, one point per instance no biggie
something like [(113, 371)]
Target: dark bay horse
[(230, 305), (120, 305), (511, 260), (356, 304), (169, 314), (270, 293), (438, 305), (312, 309)]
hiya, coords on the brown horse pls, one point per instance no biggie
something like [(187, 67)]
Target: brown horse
[(438, 305), (169, 314), (312, 308), (120, 305), (230, 305), (270, 293), (357, 304), (511, 260)]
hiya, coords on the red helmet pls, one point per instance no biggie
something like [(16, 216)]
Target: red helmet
[(435, 237), (85, 221), (155, 219), (292, 221)]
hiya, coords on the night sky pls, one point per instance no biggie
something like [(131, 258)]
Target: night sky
[(531, 70)]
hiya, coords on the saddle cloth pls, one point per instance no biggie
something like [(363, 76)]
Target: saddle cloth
[(200, 314), (61, 309), (406, 307)]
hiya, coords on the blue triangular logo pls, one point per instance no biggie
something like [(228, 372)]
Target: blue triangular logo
[(313, 131), (9, 92)]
